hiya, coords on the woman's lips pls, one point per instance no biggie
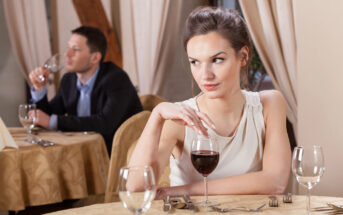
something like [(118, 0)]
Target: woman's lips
[(210, 87)]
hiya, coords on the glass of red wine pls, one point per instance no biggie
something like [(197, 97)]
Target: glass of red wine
[(205, 157)]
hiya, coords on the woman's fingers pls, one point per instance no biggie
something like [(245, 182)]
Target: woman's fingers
[(206, 119), (196, 121), (186, 116)]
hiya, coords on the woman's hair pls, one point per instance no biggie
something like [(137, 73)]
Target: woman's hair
[(226, 22)]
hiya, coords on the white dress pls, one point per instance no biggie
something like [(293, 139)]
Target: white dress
[(240, 153)]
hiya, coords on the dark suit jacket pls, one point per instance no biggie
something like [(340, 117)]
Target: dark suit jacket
[(113, 100)]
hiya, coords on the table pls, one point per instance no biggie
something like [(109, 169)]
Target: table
[(75, 167), (297, 207)]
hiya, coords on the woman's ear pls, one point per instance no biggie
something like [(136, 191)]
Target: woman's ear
[(244, 55)]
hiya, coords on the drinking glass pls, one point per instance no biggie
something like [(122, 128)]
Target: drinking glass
[(54, 64), (308, 167), (205, 157), (137, 188), (27, 117)]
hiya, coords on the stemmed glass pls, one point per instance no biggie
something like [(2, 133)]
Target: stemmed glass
[(54, 64), (205, 157), (308, 167), (137, 188), (27, 117)]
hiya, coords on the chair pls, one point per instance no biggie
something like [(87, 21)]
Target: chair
[(124, 142), (150, 101)]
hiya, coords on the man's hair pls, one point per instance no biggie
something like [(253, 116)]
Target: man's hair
[(96, 39)]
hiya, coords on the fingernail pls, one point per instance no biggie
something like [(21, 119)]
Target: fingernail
[(213, 126)]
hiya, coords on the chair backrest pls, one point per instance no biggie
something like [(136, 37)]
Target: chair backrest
[(124, 142), (150, 101)]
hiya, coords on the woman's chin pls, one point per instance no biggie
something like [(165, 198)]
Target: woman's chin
[(212, 94)]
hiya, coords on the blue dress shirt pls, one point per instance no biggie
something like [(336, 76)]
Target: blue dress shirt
[(83, 105)]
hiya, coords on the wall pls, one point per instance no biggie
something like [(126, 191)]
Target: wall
[(319, 32), (12, 84)]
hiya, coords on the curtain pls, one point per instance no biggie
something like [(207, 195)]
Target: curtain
[(271, 25), (149, 39), (29, 35)]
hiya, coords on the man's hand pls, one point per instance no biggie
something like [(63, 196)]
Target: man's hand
[(42, 119), (35, 78)]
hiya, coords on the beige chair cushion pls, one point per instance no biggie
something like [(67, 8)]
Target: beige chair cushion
[(150, 101), (124, 142)]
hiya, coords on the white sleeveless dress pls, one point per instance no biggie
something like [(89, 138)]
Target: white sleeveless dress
[(240, 153)]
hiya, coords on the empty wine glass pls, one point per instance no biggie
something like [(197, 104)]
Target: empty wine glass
[(54, 64), (27, 117), (137, 188), (308, 167), (205, 157)]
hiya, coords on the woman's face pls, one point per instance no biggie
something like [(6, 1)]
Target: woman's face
[(214, 64)]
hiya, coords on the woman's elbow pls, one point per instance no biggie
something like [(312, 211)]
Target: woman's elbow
[(279, 184)]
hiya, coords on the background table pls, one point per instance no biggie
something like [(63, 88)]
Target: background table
[(297, 207), (75, 167)]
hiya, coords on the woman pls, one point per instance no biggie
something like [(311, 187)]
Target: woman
[(249, 127)]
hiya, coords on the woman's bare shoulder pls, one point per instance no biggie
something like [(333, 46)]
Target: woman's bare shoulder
[(273, 103), (271, 98)]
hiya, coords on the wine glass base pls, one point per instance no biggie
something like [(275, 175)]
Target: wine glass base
[(31, 140), (206, 204)]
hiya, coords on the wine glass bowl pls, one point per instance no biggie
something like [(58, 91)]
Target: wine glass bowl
[(308, 168), (54, 64), (205, 158), (27, 116), (137, 188)]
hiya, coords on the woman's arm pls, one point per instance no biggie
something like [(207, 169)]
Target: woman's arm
[(163, 130), (273, 177)]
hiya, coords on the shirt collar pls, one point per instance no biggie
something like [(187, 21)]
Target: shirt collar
[(89, 84)]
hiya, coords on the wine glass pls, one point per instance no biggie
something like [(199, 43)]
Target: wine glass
[(205, 157), (54, 64), (27, 117), (308, 167), (137, 188)]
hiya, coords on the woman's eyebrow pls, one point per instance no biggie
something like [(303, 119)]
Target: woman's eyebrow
[(221, 52)]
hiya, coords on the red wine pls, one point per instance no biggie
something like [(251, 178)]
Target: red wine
[(205, 161)]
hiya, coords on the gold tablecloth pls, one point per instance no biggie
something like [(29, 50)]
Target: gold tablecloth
[(75, 167), (297, 207)]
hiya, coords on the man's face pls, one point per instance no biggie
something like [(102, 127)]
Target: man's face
[(78, 55)]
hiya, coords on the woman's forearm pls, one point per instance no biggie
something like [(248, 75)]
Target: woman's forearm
[(146, 149), (250, 183)]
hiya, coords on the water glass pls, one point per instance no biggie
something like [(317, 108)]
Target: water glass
[(308, 168), (27, 114), (137, 188)]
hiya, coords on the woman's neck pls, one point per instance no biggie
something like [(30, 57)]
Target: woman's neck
[(231, 103)]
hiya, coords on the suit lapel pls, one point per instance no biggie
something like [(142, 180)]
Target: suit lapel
[(74, 96), (96, 88)]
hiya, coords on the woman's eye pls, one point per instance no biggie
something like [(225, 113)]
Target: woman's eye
[(217, 60), (194, 62)]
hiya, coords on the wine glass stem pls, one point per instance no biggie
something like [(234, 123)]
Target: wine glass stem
[(308, 201), (206, 194), (29, 133)]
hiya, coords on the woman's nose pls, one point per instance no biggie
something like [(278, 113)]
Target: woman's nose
[(207, 73)]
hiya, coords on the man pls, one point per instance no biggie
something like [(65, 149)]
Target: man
[(93, 96)]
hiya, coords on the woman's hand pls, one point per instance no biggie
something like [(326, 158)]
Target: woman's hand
[(184, 115)]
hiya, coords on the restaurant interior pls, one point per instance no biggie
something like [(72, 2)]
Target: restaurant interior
[(297, 51)]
